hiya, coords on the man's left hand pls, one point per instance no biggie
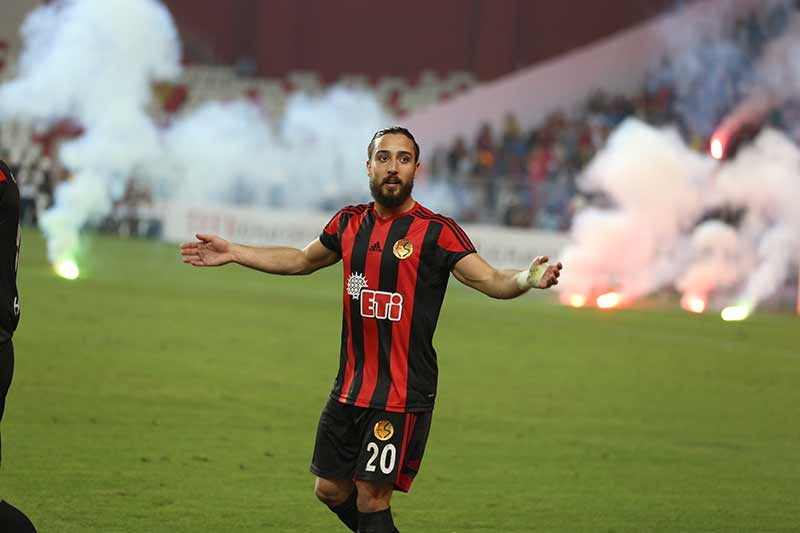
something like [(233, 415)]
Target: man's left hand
[(540, 274)]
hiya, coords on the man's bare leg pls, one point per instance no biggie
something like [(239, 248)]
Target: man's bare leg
[(374, 510), (340, 496)]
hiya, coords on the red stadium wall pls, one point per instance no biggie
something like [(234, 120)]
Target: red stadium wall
[(487, 37)]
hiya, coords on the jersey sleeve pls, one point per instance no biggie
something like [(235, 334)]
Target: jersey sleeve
[(5, 177), (454, 243), (331, 236)]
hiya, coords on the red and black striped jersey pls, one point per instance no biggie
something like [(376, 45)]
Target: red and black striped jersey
[(395, 276)]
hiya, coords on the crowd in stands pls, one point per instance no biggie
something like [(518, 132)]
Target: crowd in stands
[(528, 178), (200, 83), (515, 176)]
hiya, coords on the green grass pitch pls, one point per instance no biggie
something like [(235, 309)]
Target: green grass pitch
[(152, 396)]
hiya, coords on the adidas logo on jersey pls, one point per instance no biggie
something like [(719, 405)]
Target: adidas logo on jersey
[(376, 247)]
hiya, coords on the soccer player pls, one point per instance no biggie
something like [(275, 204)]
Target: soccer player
[(12, 519), (397, 258)]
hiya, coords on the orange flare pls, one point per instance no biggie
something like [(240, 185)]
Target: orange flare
[(577, 300), (608, 300), (717, 149), (693, 303)]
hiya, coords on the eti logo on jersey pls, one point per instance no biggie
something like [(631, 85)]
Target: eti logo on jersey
[(375, 304)]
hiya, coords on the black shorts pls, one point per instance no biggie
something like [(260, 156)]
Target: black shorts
[(370, 445), (6, 372)]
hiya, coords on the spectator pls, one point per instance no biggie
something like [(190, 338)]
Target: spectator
[(458, 161), (485, 168)]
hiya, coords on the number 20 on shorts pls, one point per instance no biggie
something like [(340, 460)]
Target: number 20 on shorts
[(387, 457)]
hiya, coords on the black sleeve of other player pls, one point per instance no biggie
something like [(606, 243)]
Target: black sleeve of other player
[(5, 176)]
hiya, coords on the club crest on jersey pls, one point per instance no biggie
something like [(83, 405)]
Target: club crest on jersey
[(374, 304), (383, 430), (403, 249)]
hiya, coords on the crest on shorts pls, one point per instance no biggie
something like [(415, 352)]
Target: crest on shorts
[(403, 249), (383, 430)]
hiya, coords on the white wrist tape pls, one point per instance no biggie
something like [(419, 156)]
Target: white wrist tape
[(530, 278)]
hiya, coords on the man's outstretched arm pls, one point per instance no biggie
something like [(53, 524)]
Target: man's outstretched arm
[(210, 250), (474, 272)]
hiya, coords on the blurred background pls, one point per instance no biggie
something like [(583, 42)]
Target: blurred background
[(652, 146), (513, 163), (264, 107)]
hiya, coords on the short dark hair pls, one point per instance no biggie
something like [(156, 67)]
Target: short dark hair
[(386, 131)]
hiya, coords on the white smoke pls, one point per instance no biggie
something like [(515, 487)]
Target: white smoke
[(441, 196), (764, 175), (655, 184), (763, 179), (226, 153), (651, 235), (659, 189), (218, 152), (94, 61), (328, 137), (718, 260)]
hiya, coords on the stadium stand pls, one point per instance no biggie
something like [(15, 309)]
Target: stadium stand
[(202, 83), (528, 178), (513, 177)]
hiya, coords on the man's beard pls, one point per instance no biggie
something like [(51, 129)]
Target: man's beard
[(393, 200)]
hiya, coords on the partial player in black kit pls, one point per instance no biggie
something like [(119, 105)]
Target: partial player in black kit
[(12, 520)]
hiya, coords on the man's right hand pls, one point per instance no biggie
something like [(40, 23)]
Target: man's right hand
[(209, 251)]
